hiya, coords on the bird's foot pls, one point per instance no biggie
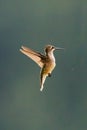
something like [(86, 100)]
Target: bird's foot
[(49, 75)]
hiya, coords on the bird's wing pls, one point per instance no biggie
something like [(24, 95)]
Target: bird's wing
[(35, 56)]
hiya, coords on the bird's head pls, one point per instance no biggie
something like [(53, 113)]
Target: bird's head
[(50, 48)]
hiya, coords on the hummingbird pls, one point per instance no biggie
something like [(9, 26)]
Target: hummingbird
[(45, 61)]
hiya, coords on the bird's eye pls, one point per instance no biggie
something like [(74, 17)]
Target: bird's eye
[(52, 47)]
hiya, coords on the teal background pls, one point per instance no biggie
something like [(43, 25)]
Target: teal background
[(34, 23)]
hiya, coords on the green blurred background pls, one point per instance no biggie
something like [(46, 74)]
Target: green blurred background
[(63, 103)]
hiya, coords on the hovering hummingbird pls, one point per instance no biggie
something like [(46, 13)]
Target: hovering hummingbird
[(45, 62)]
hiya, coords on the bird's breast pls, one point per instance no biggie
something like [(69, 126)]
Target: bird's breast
[(48, 67)]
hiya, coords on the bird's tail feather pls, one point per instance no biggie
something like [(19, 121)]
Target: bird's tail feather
[(41, 88), (43, 78)]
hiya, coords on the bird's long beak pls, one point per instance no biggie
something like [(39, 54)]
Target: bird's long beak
[(58, 48)]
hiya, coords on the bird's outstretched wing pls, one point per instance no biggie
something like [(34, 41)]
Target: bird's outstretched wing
[(35, 56)]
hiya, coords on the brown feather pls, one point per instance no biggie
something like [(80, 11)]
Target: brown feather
[(35, 56)]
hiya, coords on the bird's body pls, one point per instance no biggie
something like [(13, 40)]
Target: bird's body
[(47, 69), (46, 62)]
